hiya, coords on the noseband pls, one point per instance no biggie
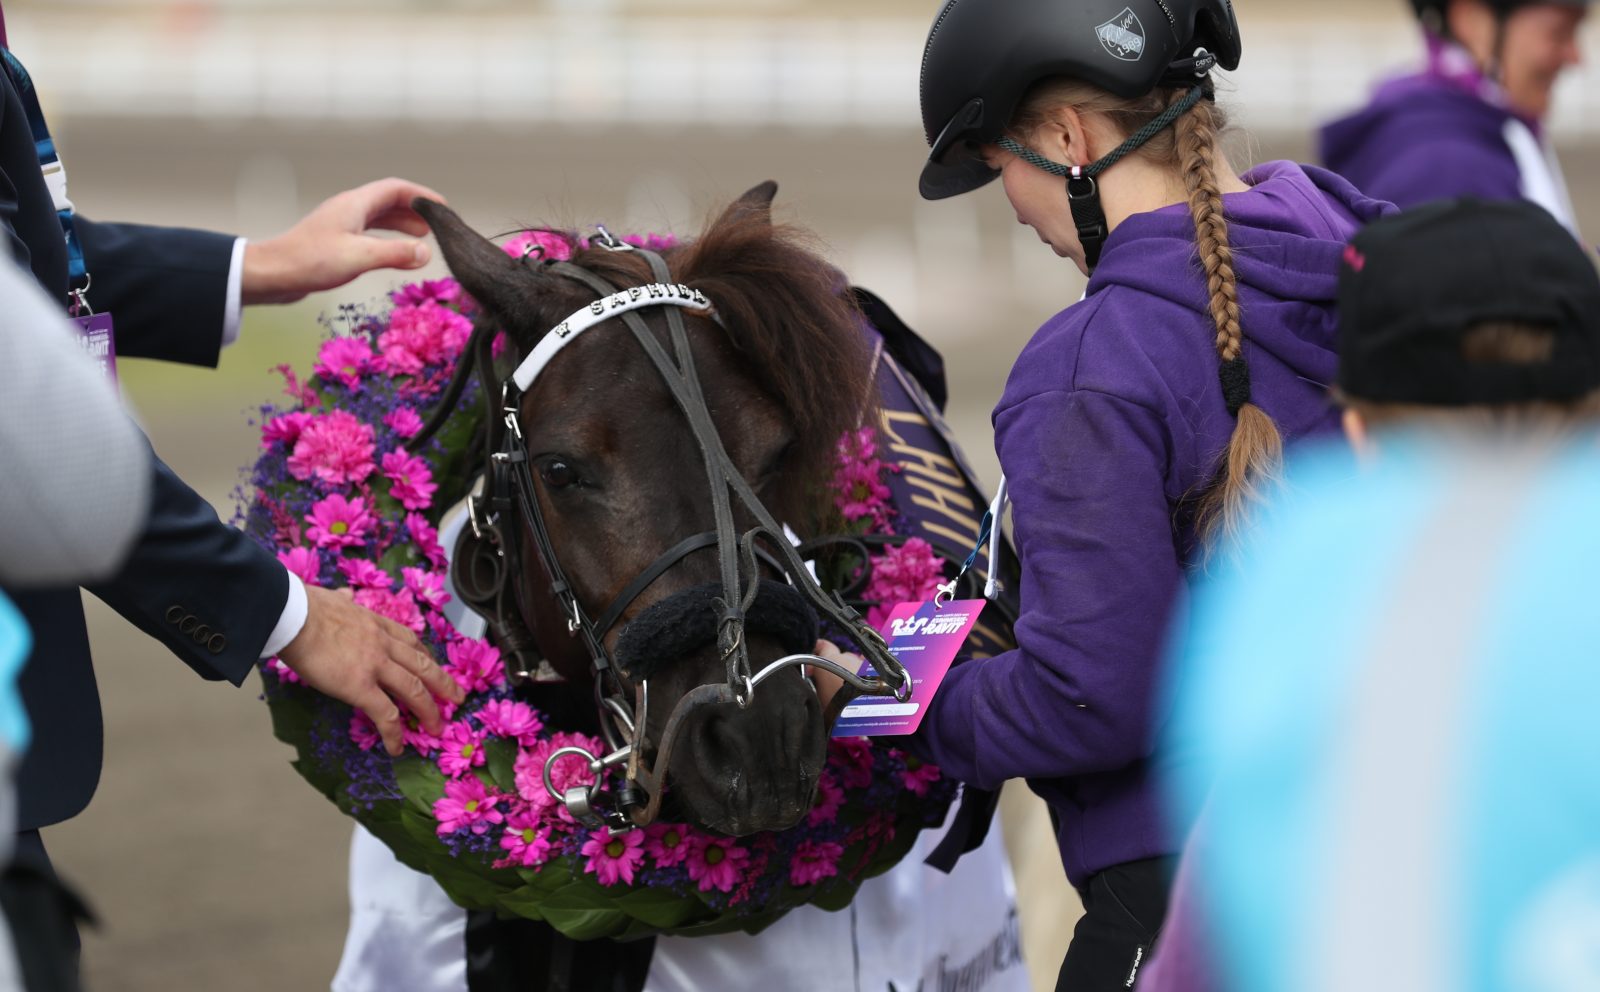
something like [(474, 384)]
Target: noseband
[(509, 499)]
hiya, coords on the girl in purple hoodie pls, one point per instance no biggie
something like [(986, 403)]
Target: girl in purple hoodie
[(1137, 424)]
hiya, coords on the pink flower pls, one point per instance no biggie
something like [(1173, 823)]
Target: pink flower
[(460, 749), (284, 428), (344, 360), (851, 759), (511, 719), (304, 563), (667, 843), (859, 492), (467, 803), (337, 522), (334, 447), (909, 573), (613, 859), (714, 863), (919, 776), (426, 538), (360, 573), (412, 480), (427, 586), (571, 772), (475, 664), (498, 346), (364, 732), (419, 740), (397, 606), (404, 421), (830, 795), (555, 245), (527, 838), (282, 671), (427, 291), (421, 335), (814, 860), (302, 394)]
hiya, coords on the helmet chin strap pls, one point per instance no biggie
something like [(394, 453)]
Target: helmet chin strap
[(1083, 189)]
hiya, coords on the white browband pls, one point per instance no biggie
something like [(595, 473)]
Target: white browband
[(638, 298)]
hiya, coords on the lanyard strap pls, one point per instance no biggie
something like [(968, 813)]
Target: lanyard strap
[(55, 174), (988, 537)]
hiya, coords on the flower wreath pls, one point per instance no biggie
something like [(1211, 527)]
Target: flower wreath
[(343, 504)]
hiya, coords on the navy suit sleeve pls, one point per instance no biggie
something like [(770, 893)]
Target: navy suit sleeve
[(202, 588), (166, 288)]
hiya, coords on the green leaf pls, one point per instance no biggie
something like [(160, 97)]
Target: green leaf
[(501, 762), (658, 908), (420, 781), (525, 902), (586, 924)]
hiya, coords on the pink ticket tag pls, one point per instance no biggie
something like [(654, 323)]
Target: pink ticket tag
[(925, 639), (99, 342)]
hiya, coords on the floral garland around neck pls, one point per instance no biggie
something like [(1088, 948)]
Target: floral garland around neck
[(342, 503)]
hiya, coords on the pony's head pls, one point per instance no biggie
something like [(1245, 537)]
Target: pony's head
[(620, 479)]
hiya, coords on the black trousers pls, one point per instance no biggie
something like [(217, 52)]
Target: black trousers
[(43, 915), (1124, 907)]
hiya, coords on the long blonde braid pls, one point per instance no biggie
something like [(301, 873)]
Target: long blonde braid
[(1255, 450)]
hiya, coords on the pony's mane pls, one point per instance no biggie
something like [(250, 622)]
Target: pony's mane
[(783, 307)]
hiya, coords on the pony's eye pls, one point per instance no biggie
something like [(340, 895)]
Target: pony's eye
[(558, 474)]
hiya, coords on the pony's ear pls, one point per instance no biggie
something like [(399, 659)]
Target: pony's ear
[(504, 286), (757, 201)]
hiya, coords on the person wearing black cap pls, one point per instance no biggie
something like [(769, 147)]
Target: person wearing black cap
[(1386, 703), (1137, 425), (1471, 123)]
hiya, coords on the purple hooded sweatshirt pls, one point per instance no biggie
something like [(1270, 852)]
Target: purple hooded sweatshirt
[(1112, 417), (1423, 138)]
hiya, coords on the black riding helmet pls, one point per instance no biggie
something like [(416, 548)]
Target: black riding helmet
[(982, 57)]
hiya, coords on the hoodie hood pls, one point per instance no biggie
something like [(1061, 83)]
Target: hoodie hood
[(1424, 138), (1288, 233)]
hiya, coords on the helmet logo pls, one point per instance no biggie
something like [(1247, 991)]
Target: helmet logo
[(1123, 36)]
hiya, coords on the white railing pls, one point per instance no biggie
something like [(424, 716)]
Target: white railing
[(603, 70)]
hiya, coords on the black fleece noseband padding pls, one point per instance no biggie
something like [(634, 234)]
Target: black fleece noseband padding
[(684, 623)]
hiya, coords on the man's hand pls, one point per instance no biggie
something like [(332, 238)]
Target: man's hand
[(352, 654), (827, 683), (332, 244)]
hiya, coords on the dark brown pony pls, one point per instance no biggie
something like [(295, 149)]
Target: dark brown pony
[(620, 477)]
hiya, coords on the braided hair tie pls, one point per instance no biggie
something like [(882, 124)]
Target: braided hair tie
[(1235, 377)]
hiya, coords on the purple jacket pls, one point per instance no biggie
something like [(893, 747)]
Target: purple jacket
[(1112, 416), (1423, 138)]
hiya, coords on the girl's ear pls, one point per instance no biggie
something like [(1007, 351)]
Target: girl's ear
[(1065, 138)]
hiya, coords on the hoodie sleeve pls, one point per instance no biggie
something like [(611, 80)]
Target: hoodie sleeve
[(1100, 571)]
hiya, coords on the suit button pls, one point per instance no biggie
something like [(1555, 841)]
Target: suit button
[(201, 633), (217, 644), (188, 623), (174, 614)]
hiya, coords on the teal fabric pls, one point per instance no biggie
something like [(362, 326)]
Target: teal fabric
[(15, 643), (1269, 680)]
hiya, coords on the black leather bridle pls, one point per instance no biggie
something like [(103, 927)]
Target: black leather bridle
[(489, 553)]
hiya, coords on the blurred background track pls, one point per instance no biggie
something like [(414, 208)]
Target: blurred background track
[(212, 864)]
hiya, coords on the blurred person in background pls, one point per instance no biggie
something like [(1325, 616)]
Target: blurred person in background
[(1137, 424), (1386, 702), (75, 494), (210, 594), (1472, 122)]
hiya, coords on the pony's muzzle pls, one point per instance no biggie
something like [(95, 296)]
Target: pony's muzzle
[(686, 622)]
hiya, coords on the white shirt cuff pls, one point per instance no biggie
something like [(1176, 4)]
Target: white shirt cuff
[(291, 621), (233, 306)]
